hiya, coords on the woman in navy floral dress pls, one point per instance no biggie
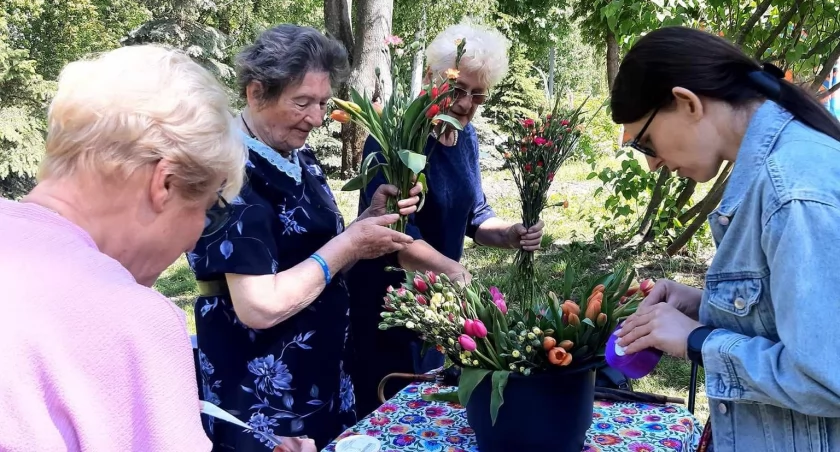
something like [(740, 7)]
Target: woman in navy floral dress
[(272, 316)]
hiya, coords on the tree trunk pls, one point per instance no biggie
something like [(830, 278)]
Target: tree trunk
[(612, 59), (417, 68), (372, 25), (655, 200), (338, 23)]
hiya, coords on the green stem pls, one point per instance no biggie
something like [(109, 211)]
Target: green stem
[(488, 360)]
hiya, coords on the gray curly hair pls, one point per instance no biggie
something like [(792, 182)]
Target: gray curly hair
[(281, 56)]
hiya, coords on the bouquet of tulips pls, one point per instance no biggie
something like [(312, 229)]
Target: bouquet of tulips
[(401, 126), (534, 152), (473, 326)]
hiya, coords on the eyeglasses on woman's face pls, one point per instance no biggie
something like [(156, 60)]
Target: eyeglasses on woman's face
[(476, 98), (217, 217), (636, 142)]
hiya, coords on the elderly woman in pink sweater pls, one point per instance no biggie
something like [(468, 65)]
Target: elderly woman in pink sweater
[(141, 144)]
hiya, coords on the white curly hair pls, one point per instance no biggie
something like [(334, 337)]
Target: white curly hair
[(485, 52)]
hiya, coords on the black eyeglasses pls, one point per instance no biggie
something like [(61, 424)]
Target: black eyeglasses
[(635, 143), (217, 217), (477, 99)]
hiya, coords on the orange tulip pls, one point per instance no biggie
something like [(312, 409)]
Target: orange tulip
[(340, 116), (567, 345), (570, 307), (574, 320), (377, 107), (593, 309), (549, 343), (559, 357), (595, 296), (632, 290), (601, 320), (598, 289)]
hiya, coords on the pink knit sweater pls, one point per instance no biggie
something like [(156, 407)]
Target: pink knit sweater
[(89, 359)]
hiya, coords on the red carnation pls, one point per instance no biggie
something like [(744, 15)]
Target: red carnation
[(564, 122), (527, 167)]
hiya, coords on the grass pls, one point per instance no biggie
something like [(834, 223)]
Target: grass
[(568, 236)]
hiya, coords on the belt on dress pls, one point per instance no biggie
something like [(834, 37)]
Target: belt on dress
[(216, 288)]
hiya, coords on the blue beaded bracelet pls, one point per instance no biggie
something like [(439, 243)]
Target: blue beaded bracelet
[(320, 260)]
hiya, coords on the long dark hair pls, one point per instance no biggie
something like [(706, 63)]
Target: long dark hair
[(708, 66)]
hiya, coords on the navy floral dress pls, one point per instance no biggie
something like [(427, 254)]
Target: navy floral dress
[(292, 379)]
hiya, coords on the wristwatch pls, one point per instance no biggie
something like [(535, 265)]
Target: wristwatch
[(695, 343)]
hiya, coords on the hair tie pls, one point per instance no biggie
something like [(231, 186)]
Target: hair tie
[(767, 80), (773, 70)]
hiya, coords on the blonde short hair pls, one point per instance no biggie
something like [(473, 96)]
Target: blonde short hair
[(485, 52), (137, 105)]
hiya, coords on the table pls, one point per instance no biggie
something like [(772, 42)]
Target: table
[(407, 423)]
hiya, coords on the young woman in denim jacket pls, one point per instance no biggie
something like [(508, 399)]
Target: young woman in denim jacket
[(765, 325)]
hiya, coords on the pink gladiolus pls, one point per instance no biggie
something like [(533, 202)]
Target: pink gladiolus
[(419, 284), (422, 300), (540, 141), (432, 276), (479, 330), (467, 343), (469, 327)]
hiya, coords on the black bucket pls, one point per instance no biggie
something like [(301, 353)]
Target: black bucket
[(550, 410)]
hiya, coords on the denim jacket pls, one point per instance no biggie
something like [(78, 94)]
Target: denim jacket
[(773, 293)]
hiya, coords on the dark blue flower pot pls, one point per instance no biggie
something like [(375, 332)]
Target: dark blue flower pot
[(551, 410)]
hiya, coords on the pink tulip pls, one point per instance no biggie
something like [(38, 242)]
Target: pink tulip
[(422, 300), (389, 289), (500, 303), (419, 284), (432, 276), (401, 292), (466, 343), (469, 327), (479, 330)]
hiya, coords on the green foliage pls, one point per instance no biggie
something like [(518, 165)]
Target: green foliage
[(520, 93)]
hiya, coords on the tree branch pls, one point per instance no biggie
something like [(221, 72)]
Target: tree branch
[(750, 24), (828, 65), (829, 91), (783, 23), (820, 46)]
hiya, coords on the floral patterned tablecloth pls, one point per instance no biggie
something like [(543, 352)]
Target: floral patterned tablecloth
[(407, 423)]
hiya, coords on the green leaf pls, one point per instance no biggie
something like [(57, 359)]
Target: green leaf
[(361, 181), (412, 160), (449, 120), (467, 382), (410, 116), (500, 380), (446, 397)]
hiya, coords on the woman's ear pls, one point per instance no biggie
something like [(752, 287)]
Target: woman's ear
[(688, 103), (253, 94)]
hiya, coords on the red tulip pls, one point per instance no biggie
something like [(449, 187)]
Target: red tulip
[(646, 286), (422, 92), (564, 122), (540, 164), (422, 300), (527, 168), (434, 92), (551, 177), (419, 284), (432, 276), (432, 111), (445, 87)]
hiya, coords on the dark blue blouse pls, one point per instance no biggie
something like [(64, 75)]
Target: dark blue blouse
[(455, 207), (292, 379)]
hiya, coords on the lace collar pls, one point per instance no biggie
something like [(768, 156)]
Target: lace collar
[(290, 166)]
